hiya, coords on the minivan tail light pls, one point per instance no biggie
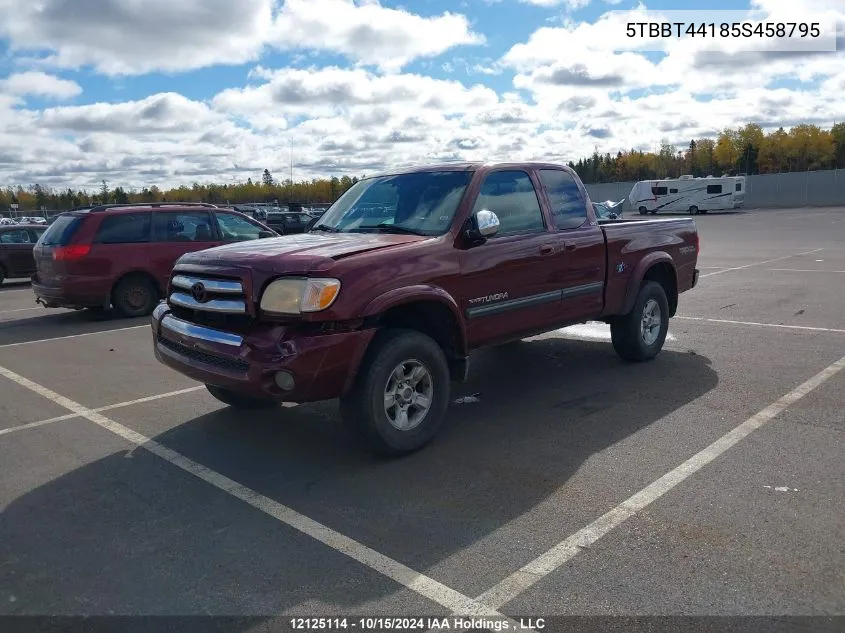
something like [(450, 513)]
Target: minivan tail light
[(71, 253)]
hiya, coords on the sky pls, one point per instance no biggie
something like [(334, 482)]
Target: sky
[(171, 92)]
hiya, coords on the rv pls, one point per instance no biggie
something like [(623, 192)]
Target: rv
[(688, 194)]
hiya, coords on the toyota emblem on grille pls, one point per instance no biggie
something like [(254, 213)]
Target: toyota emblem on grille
[(199, 293)]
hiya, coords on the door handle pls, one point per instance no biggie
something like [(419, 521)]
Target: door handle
[(547, 249)]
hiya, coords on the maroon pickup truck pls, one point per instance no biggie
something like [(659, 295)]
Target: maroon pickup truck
[(381, 302)]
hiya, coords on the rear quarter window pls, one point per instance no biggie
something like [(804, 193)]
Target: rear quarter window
[(61, 231), (124, 228)]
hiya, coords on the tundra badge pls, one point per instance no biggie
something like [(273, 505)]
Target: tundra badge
[(494, 297)]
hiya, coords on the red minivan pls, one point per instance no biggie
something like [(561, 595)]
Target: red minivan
[(121, 256)]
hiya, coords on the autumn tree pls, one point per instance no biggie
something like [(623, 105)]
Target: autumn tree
[(837, 135)]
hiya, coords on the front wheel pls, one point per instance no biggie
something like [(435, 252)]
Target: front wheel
[(693, 210), (238, 400), (639, 335), (642, 210), (401, 393)]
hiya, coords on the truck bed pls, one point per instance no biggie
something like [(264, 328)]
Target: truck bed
[(636, 243)]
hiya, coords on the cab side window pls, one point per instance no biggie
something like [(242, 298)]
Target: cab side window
[(569, 209), (511, 196)]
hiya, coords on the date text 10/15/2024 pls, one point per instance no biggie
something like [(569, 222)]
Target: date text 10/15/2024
[(435, 623)]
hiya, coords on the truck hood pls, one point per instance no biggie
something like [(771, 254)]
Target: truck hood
[(295, 253)]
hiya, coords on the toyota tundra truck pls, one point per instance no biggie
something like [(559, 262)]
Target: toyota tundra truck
[(381, 302)]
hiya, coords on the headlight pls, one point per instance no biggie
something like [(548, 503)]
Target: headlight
[(293, 296)]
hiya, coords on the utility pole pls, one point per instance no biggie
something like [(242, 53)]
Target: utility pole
[(290, 195)]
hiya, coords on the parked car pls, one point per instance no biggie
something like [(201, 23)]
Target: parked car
[(16, 244), (120, 256), (285, 223), (383, 314)]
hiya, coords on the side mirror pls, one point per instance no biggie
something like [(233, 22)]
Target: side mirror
[(264, 234), (482, 225)]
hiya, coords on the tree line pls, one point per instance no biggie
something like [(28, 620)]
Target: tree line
[(745, 150)]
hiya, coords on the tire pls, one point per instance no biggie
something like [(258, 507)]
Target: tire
[(642, 210), (2, 275), (376, 426), (693, 210), (630, 340), (240, 401), (135, 296)]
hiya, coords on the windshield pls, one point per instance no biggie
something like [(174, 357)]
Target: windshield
[(422, 203)]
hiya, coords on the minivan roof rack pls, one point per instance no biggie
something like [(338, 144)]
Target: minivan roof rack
[(154, 205)]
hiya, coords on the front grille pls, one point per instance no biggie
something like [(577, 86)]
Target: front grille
[(215, 302), (223, 362), (237, 323)]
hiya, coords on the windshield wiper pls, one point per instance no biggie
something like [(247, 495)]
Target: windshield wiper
[(387, 226), (324, 227)]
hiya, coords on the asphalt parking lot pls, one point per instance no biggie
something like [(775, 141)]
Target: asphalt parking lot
[(708, 482)]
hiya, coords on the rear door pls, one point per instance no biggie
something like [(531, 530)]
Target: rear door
[(579, 262), (16, 246), (120, 244), (509, 283), (178, 232)]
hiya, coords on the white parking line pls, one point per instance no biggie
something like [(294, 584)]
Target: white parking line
[(20, 310), (768, 261), (566, 550), (109, 407), (593, 331), (754, 323), (804, 270), (61, 338), (425, 586)]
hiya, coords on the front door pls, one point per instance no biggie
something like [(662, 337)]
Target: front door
[(176, 233), (509, 281)]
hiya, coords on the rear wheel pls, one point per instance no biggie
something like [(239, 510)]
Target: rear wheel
[(400, 395), (135, 296), (642, 210), (693, 210), (639, 335), (238, 400), (2, 275)]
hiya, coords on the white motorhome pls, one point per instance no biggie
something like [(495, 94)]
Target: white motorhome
[(694, 195)]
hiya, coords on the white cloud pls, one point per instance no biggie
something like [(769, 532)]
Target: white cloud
[(571, 5), (132, 37), (34, 83), (122, 37), (368, 32), (574, 87)]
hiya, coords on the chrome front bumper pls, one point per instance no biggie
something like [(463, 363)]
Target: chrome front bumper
[(163, 320)]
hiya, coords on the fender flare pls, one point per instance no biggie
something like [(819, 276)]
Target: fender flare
[(422, 292), (647, 262)]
